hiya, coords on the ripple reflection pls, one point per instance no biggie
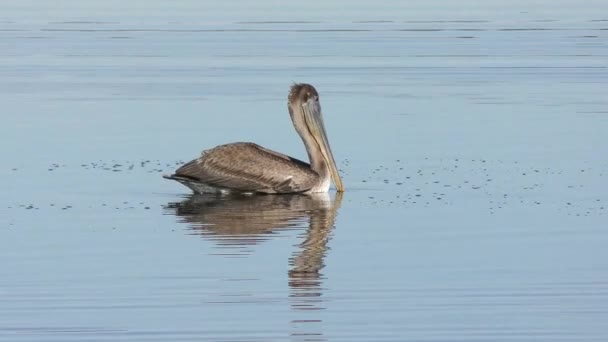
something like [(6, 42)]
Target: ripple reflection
[(241, 221)]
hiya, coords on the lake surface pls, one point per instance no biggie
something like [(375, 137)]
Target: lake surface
[(472, 139)]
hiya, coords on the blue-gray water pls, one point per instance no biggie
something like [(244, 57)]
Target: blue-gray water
[(472, 139)]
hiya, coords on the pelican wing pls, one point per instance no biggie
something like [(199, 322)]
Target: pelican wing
[(249, 167)]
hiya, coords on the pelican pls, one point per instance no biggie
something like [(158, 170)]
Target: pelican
[(245, 167)]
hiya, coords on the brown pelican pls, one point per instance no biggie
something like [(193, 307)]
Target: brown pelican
[(249, 168)]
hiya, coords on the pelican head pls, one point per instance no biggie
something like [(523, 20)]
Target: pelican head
[(305, 111)]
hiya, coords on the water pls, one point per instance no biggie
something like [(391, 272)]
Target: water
[(471, 138)]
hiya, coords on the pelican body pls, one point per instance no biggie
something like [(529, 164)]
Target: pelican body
[(245, 167)]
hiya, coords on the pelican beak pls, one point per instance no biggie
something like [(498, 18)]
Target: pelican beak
[(314, 121)]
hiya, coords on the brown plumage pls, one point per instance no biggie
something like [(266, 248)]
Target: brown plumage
[(238, 166), (248, 167)]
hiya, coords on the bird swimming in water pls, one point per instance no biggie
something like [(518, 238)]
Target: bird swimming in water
[(245, 167)]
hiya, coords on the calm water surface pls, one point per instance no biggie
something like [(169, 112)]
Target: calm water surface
[(472, 139)]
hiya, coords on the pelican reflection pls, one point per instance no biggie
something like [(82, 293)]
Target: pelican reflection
[(241, 221), (238, 221)]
